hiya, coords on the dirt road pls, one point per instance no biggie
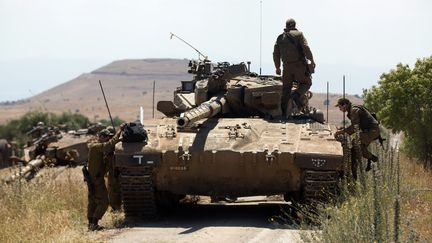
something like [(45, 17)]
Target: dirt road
[(245, 222)]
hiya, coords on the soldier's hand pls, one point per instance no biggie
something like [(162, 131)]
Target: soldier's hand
[(122, 125), (278, 71)]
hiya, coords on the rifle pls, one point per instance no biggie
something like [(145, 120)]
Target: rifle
[(88, 180)]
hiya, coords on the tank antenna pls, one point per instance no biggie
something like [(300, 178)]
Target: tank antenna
[(199, 53), (153, 97), (260, 36), (343, 95), (328, 102)]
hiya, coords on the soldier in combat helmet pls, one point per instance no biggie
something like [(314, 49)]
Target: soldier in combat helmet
[(292, 48), (369, 130), (98, 195)]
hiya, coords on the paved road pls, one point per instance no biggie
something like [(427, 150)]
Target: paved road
[(246, 222)]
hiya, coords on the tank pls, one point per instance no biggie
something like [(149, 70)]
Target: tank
[(51, 148), (224, 136)]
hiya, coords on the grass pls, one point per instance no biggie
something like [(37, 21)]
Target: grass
[(46, 210), (391, 203)]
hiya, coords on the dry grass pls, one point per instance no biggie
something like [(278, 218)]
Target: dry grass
[(372, 213), (416, 201), (47, 210)]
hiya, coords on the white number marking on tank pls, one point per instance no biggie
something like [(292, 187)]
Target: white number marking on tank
[(318, 162)]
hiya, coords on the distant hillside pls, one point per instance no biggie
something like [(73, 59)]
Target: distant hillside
[(128, 85)]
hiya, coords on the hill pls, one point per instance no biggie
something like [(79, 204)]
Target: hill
[(128, 84)]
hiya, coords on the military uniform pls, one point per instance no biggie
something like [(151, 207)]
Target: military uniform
[(292, 48), (369, 131), (113, 183), (98, 201), (369, 128)]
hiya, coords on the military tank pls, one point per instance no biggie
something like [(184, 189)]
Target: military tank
[(223, 135), (51, 148)]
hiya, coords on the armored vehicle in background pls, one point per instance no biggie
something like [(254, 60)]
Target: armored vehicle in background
[(51, 148), (224, 137)]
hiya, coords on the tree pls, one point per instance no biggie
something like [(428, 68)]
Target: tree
[(17, 129), (403, 102)]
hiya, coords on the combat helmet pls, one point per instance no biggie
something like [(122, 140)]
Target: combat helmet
[(290, 23), (105, 132)]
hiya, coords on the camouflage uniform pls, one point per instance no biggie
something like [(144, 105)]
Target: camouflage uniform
[(369, 131), (98, 201), (113, 182), (292, 48)]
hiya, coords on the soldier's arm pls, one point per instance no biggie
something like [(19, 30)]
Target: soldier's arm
[(276, 55), (355, 120), (306, 49), (109, 145)]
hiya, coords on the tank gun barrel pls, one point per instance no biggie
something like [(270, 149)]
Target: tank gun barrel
[(207, 109), (31, 166)]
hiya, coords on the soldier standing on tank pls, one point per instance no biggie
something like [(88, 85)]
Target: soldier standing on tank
[(292, 48), (113, 181), (369, 130), (98, 196)]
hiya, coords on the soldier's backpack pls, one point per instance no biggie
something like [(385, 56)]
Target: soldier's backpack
[(134, 132), (373, 114)]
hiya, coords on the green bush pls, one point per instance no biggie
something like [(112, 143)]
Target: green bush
[(16, 129), (403, 102)]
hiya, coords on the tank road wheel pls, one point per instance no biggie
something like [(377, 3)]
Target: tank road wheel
[(138, 192)]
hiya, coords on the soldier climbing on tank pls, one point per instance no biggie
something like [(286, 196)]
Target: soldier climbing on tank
[(369, 131), (113, 180), (298, 64), (98, 196)]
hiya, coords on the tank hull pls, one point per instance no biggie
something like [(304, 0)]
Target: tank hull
[(235, 157)]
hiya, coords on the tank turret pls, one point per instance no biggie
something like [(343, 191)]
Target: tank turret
[(242, 94)]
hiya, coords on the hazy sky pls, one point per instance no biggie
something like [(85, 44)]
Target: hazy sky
[(47, 42)]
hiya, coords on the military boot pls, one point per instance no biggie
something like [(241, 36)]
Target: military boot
[(369, 164), (93, 225), (296, 98)]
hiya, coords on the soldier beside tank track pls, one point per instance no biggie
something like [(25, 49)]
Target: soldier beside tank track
[(113, 180), (292, 48), (369, 130), (94, 176)]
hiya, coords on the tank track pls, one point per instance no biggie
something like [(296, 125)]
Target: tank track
[(138, 192), (319, 185)]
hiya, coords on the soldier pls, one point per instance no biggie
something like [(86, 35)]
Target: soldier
[(292, 47), (37, 131), (369, 130), (113, 181), (98, 196)]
